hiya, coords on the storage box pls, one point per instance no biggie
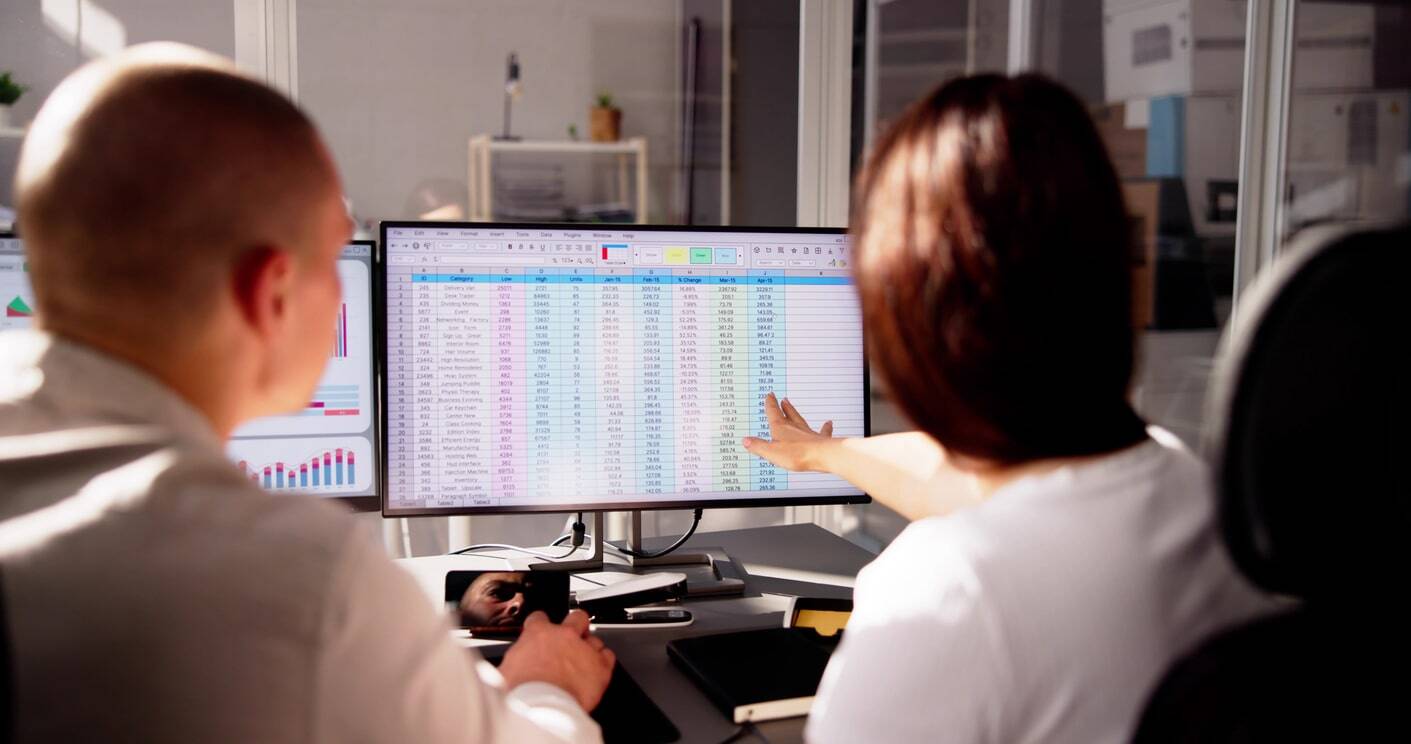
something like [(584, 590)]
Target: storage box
[(1187, 47), (1349, 156), (1125, 145), (1170, 275), (1193, 138), (1143, 206), (1211, 162)]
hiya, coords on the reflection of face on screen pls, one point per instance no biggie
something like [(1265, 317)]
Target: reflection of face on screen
[(498, 601), (494, 599)]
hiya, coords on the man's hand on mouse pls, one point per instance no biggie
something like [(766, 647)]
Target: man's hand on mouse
[(565, 655)]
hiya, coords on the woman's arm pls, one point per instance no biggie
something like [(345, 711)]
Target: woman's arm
[(907, 472)]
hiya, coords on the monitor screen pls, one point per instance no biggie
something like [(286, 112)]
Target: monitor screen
[(564, 368), (15, 290), (329, 448)]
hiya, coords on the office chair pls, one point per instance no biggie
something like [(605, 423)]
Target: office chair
[(1310, 452), (7, 688)]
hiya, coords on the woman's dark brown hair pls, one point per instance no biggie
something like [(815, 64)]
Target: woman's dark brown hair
[(993, 261)]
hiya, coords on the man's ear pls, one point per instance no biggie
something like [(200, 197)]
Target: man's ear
[(262, 281)]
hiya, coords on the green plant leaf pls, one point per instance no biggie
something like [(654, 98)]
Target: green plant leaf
[(10, 91)]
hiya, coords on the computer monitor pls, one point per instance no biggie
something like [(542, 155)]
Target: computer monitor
[(551, 368), (15, 290), (329, 448)]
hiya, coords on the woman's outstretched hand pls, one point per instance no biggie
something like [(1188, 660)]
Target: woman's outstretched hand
[(792, 443), (906, 471)]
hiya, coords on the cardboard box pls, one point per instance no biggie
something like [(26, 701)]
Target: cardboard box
[(1170, 276), (1194, 138), (1143, 206), (1125, 145)]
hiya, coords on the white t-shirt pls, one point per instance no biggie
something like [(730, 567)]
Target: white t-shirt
[(154, 594), (1046, 614)]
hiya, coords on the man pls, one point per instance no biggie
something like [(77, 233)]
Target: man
[(183, 225)]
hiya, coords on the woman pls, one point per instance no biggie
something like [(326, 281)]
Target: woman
[(1043, 602)]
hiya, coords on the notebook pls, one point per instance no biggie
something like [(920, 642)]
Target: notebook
[(761, 675)]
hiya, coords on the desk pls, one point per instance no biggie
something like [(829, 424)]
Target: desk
[(776, 563)]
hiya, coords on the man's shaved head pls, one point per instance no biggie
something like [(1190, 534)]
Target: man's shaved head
[(147, 175)]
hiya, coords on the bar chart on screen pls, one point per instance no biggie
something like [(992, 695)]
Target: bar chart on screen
[(342, 403), (15, 292), (340, 333), (324, 465)]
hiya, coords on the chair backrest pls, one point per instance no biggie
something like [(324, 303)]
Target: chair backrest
[(1308, 417), (7, 687), (1309, 412)]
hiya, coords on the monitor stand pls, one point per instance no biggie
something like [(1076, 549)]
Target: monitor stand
[(709, 571)]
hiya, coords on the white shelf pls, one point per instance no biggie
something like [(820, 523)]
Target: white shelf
[(483, 147), (623, 147)]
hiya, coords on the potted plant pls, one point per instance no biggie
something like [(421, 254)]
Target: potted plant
[(10, 91), (605, 120)]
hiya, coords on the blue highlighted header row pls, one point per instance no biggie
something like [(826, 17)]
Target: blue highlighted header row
[(758, 277)]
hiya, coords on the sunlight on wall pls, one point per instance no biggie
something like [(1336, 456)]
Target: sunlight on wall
[(95, 32)]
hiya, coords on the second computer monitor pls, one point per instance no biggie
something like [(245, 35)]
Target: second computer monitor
[(554, 368), (328, 448)]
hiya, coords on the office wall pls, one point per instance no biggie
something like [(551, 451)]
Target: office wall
[(42, 41), (1063, 48), (709, 134), (399, 87)]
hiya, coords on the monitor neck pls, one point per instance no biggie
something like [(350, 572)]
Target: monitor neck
[(604, 556)]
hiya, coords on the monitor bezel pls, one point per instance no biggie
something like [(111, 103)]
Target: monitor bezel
[(380, 319)]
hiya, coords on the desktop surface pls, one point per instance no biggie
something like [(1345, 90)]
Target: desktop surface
[(329, 448), (560, 368), (776, 563)]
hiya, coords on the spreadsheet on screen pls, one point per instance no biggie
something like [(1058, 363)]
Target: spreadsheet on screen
[(559, 368)]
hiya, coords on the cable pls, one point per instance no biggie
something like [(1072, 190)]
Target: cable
[(642, 554), (579, 531), (516, 548), (639, 554), (589, 537)]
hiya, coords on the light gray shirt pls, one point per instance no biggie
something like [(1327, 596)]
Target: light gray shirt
[(154, 594)]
